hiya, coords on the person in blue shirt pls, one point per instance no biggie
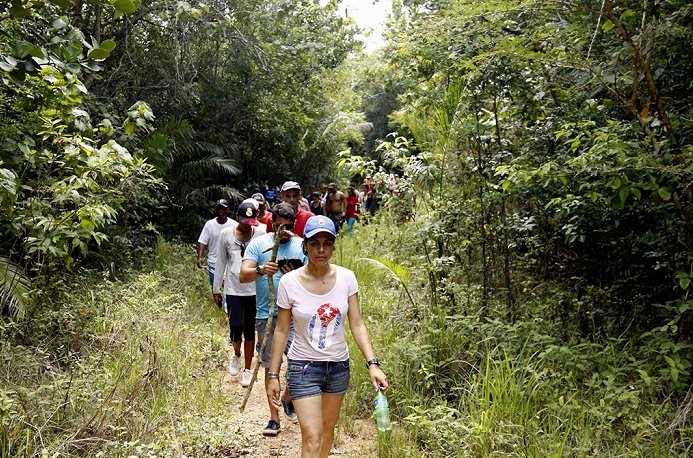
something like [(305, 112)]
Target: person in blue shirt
[(255, 267)]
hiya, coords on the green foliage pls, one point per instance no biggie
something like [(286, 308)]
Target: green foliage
[(14, 289), (253, 78), (391, 269), (117, 369), (537, 145), (64, 179), (468, 382), (190, 168)]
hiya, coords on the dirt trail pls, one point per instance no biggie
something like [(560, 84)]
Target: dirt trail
[(288, 442)]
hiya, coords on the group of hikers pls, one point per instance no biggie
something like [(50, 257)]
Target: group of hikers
[(313, 299), (330, 201)]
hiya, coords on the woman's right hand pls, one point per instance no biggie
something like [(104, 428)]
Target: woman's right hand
[(274, 392), (378, 377)]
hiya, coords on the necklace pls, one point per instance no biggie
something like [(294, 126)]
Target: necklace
[(321, 279)]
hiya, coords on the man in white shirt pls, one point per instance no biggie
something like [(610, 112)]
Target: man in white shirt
[(209, 238)]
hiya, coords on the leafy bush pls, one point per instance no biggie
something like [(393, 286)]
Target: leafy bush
[(115, 369)]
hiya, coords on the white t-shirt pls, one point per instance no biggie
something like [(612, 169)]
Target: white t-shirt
[(210, 236), (229, 259), (319, 320)]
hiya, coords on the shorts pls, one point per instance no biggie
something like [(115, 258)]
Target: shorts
[(313, 378), (211, 267), (241, 317), (260, 325)]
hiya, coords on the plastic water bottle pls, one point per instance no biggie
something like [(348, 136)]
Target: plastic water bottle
[(382, 412)]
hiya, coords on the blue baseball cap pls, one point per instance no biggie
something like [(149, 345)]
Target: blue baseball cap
[(318, 224)]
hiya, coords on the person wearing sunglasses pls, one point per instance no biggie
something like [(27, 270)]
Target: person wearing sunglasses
[(319, 298), (257, 264), (240, 297)]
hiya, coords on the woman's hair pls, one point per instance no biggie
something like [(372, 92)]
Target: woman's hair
[(351, 191), (283, 210)]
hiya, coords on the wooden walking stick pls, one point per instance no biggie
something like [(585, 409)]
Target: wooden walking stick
[(270, 319)]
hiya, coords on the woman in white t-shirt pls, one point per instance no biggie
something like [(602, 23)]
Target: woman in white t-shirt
[(319, 297)]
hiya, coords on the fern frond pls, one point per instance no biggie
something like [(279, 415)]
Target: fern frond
[(391, 269), (14, 287)]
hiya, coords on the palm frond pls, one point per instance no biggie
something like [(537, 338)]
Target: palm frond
[(180, 130), (209, 166), (392, 270), (14, 288)]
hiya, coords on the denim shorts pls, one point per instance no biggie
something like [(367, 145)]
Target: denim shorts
[(260, 326), (314, 378)]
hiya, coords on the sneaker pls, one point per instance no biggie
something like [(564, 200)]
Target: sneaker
[(289, 410), (272, 428), (234, 365), (247, 378)]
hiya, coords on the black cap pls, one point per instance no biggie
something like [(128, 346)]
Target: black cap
[(247, 213), (221, 203)]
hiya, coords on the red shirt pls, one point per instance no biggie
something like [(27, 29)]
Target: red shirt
[(351, 203), (267, 219), (299, 225)]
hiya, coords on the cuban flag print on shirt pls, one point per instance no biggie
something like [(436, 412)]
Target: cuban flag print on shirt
[(324, 325)]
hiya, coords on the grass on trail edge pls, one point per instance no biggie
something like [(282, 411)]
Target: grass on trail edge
[(118, 369)]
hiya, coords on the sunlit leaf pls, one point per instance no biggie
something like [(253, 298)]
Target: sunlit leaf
[(608, 25), (108, 45), (664, 193), (98, 53), (126, 6)]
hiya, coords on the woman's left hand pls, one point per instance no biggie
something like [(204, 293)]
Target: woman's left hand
[(378, 378)]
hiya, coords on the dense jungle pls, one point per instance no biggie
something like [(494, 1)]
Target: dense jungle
[(525, 277)]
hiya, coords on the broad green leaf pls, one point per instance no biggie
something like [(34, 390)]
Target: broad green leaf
[(98, 53), (684, 282), (108, 45), (93, 66), (126, 6), (664, 193), (670, 361), (626, 14), (71, 52), (88, 225), (635, 192), (72, 68), (623, 194), (608, 25), (31, 49)]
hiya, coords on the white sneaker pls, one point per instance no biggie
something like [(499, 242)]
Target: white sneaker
[(234, 365), (247, 377)]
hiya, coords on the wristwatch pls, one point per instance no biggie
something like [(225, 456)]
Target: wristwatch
[(258, 271), (375, 361)]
